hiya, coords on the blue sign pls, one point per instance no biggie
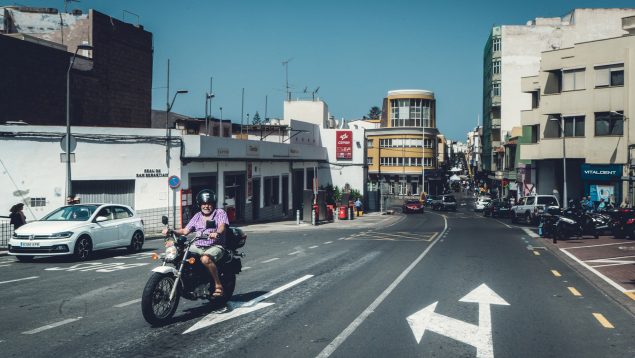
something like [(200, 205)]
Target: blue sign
[(174, 182), (608, 172)]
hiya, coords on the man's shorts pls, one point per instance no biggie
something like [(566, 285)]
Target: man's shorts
[(214, 251)]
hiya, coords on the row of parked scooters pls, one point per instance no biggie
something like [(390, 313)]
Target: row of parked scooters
[(562, 224)]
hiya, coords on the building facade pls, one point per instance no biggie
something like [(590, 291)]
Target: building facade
[(584, 101), (404, 149), (514, 51)]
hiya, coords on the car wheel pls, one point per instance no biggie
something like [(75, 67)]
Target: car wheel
[(513, 217), (83, 248), (527, 219), (24, 258), (136, 243)]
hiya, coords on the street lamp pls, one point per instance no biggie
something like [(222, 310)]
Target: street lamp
[(628, 153), (221, 121), (69, 186), (564, 160), (208, 98)]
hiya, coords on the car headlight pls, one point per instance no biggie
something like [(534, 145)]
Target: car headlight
[(170, 253), (62, 235)]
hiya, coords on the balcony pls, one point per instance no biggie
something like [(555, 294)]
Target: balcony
[(529, 117), (529, 84)]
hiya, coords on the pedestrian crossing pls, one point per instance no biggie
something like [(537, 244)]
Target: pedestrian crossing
[(394, 236)]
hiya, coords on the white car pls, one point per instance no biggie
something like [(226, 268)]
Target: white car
[(481, 203), (79, 230)]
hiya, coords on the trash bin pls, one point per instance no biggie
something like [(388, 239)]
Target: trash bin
[(329, 212), (343, 214)]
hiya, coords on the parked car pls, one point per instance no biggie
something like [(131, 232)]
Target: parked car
[(447, 202), (432, 199), (497, 209), (481, 203), (412, 206), (529, 208), (79, 230)]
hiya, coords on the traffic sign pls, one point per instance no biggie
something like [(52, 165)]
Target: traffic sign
[(174, 182), (73, 143)]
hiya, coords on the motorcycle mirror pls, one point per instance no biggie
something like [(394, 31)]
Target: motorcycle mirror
[(164, 220)]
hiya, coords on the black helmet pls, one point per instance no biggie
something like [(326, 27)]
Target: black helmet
[(206, 196)]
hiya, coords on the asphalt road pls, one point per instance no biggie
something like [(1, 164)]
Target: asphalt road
[(430, 285)]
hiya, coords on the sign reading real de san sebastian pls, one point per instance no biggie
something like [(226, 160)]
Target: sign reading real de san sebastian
[(344, 145)]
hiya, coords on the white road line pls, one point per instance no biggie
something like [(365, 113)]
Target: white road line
[(52, 325), (5, 265), (328, 350), (246, 268), (295, 252), (582, 247), (20, 279), (509, 227), (127, 303), (328, 242), (608, 280), (530, 233), (342, 238), (313, 247), (271, 260)]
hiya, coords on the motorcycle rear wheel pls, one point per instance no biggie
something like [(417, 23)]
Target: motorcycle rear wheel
[(228, 280), (156, 307)]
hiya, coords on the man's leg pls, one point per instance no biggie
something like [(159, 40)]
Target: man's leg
[(213, 270)]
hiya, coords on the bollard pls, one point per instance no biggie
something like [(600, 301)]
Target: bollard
[(297, 217), (350, 217), (313, 217)]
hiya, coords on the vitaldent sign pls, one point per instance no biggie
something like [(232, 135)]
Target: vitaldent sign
[(601, 172)]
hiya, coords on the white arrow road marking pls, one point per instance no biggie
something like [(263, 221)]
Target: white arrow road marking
[(241, 308), (52, 325), (478, 336), (20, 279)]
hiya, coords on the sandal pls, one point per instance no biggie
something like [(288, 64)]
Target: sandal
[(218, 292)]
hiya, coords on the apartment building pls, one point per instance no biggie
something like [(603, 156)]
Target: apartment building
[(405, 147), (582, 101), (514, 51)]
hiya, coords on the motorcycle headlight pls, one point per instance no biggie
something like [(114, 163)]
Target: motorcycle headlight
[(62, 235), (170, 253)]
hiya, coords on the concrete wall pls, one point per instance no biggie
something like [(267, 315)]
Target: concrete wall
[(315, 112), (342, 172)]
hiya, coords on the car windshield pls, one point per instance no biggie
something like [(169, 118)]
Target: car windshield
[(449, 199), (71, 213), (547, 200)]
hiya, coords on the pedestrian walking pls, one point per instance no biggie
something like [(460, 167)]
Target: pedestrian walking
[(358, 206), (17, 216)]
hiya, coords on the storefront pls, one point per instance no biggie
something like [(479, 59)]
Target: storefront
[(602, 182)]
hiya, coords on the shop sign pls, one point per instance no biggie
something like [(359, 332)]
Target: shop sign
[(252, 150), (294, 151), (223, 152), (601, 172), (344, 145)]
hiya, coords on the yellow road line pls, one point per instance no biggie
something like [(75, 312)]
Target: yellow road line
[(556, 273), (536, 253), (574, 291), (603, 321), (630, 294)]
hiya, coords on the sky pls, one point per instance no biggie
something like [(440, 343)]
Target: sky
[(354, 51)]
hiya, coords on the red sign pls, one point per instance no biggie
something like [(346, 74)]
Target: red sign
[(344, 144)]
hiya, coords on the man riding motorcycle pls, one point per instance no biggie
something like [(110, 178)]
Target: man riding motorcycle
[(210, 243)]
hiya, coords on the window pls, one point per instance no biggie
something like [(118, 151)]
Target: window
[(122, 213), (535, 133), (535, 99), (573, 79), (427, 143), (107, 213), (369, 143), (496, 44), (547, 200), (369, 160), (496, 66), (552, 128), (496, 89), (530, 200), (272, 191), (427, 162), (35, 202), (607, 123), (554, 82), (413, 112), (574, 126), (610, 75)]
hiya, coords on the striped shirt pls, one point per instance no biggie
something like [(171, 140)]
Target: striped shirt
[(198, 224)]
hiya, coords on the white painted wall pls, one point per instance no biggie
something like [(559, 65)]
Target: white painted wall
[(309, 111), (341, 172)]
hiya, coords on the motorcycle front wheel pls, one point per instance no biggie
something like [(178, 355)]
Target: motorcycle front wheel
[(156, 306)]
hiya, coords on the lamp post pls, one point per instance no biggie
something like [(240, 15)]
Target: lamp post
[(69, 186), (628, 155), (167, 145), (208, 99), (564, 161), (221, 121)]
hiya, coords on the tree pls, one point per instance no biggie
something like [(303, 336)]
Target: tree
[(256, 120), (374, 112)]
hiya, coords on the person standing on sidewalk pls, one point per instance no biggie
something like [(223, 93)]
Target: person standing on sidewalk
[(358, 206), (17, 216)]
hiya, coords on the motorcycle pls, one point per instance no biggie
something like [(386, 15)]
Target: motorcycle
[(548, 220), (622, 222), (183, 275), (575, 222)]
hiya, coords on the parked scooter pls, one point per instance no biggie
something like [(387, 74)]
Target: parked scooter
[(576, 222), (548, 220), (183, 275), (622, 222)]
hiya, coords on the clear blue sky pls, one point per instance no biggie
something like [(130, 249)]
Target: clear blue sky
[(355, 51)]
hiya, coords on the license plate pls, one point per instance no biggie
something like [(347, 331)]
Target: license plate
[(29, 244)]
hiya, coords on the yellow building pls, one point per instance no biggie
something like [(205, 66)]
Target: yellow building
[(404, 148)]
